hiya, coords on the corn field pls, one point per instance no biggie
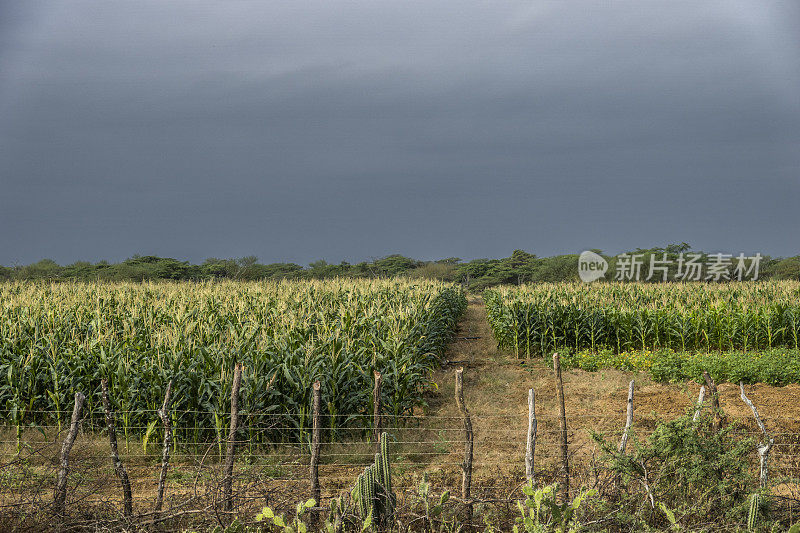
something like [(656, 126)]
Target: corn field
[(636, 316), (56, 339)]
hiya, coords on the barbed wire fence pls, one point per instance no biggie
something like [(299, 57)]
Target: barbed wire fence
[(74, 478)]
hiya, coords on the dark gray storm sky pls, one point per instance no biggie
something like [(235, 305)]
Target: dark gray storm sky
[(346, 130)]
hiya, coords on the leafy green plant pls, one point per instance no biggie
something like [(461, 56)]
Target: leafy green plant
[(296, 525), (433, 511), (540, 512), (673, 522)]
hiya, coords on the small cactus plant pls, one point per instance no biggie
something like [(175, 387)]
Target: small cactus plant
[(373, 489), (752, 515)]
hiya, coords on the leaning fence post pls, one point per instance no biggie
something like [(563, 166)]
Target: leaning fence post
[(530, 446), (376, 411), (466, 467), (628, 419), (764, 448), (316, 402), (61, 482), (712, 389), (119, 468), (563, 433), (164, 414), (227, 481), (701, 397)]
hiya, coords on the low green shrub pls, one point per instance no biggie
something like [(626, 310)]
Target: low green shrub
[(697, 474), (778, 366)]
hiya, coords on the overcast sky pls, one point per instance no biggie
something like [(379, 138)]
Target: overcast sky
[(348, 130)]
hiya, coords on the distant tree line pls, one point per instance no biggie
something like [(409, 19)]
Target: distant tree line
[(519, 267)]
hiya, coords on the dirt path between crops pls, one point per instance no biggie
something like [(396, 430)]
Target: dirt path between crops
[(496, 388)]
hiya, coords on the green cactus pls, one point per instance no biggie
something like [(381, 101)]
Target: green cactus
[(369, 486), (361, 492), (386, 479), (373, 489), (752, 515)]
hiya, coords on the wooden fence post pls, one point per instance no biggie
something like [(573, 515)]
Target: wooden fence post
[(530, 446), (712, 389), (466, 467), (61, 482), (164, 414), (628, 419), (564, 489), (766, 446), (316, 402), (227, 481), (376, 411), (119, 468), (699, 405)]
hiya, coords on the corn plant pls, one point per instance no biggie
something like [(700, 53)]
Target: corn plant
[(702, 317), (59, 338)]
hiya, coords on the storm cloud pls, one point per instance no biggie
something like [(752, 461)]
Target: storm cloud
[(346, 130)]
